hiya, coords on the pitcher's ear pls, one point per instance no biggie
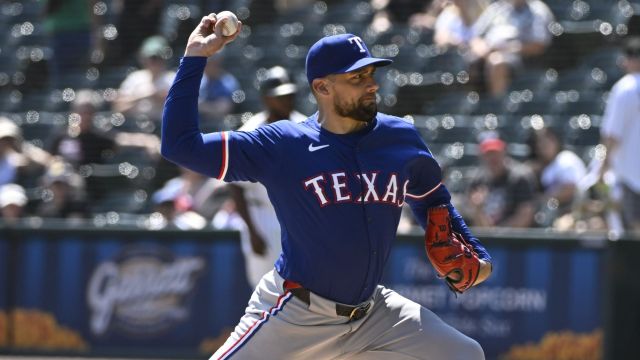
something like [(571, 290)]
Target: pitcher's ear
[(320, 86)]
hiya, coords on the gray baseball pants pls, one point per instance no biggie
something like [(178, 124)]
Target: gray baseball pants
[(277, 325)]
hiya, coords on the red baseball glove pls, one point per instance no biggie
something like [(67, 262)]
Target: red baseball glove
[(453, 258)]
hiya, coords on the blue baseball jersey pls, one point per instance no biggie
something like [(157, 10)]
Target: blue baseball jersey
[(338, 198)]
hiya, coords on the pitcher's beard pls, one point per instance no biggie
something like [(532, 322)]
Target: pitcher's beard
[(363, 110)]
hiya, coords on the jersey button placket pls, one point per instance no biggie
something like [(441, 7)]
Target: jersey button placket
[(368, 218)]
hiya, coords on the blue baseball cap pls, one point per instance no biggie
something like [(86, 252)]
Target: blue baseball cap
[(339, 54)]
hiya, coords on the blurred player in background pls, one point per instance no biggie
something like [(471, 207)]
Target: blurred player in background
[(252, 200), (621, 134), (337, 182), (278, 95)]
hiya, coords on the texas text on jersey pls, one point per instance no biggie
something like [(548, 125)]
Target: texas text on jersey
[(337, 189)]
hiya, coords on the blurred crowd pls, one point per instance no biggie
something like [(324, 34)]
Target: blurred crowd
[(102, 162)]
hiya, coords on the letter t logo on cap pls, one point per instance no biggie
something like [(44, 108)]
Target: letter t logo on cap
[(358, 42), (339, 54)]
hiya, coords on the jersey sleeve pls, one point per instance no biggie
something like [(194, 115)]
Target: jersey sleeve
[(253, 155), (425, 190), (224, 155)]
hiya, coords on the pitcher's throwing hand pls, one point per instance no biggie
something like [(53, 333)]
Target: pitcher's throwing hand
[(207, 38)]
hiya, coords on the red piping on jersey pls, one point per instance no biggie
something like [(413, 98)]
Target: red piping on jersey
[(225, 155), (425, 194)]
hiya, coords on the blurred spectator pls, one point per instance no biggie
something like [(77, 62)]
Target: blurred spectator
[(82, 144), (261, 242), (19, 161), (10, 136), (558, 170), (12, 202), (508, 34), (216, 90), (63, 193), (165, 204), (192, 192), (70, 25), (426, 19), (142, 93), (454, 25), (502, 192), (138, 20), (594, 209), (389, 12), (621, 134)]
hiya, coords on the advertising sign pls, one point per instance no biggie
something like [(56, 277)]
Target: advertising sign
[(534, 291), (181, 293), (116, 295)]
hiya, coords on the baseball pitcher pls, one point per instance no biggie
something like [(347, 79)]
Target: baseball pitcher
[(337, 182)]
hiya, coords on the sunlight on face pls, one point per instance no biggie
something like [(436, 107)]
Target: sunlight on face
[(356, 95)]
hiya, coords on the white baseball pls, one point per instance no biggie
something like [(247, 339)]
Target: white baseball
[(229, 22)]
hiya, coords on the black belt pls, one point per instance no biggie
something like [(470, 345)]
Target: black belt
[(352, 312)]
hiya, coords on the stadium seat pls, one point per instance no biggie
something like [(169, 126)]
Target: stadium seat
[(537, 103), (587, 78), (535, 80), (456, 102), (349, 11), (112, 77), (487, 105), (119, 201), (445, 129), (39, 133), (520, 127), (571, 42), (567, 103), (608, 60), (424, 80), (411, 99), (489, 122), (582, 130), (301, 33), (448, 61), (581, 10)]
